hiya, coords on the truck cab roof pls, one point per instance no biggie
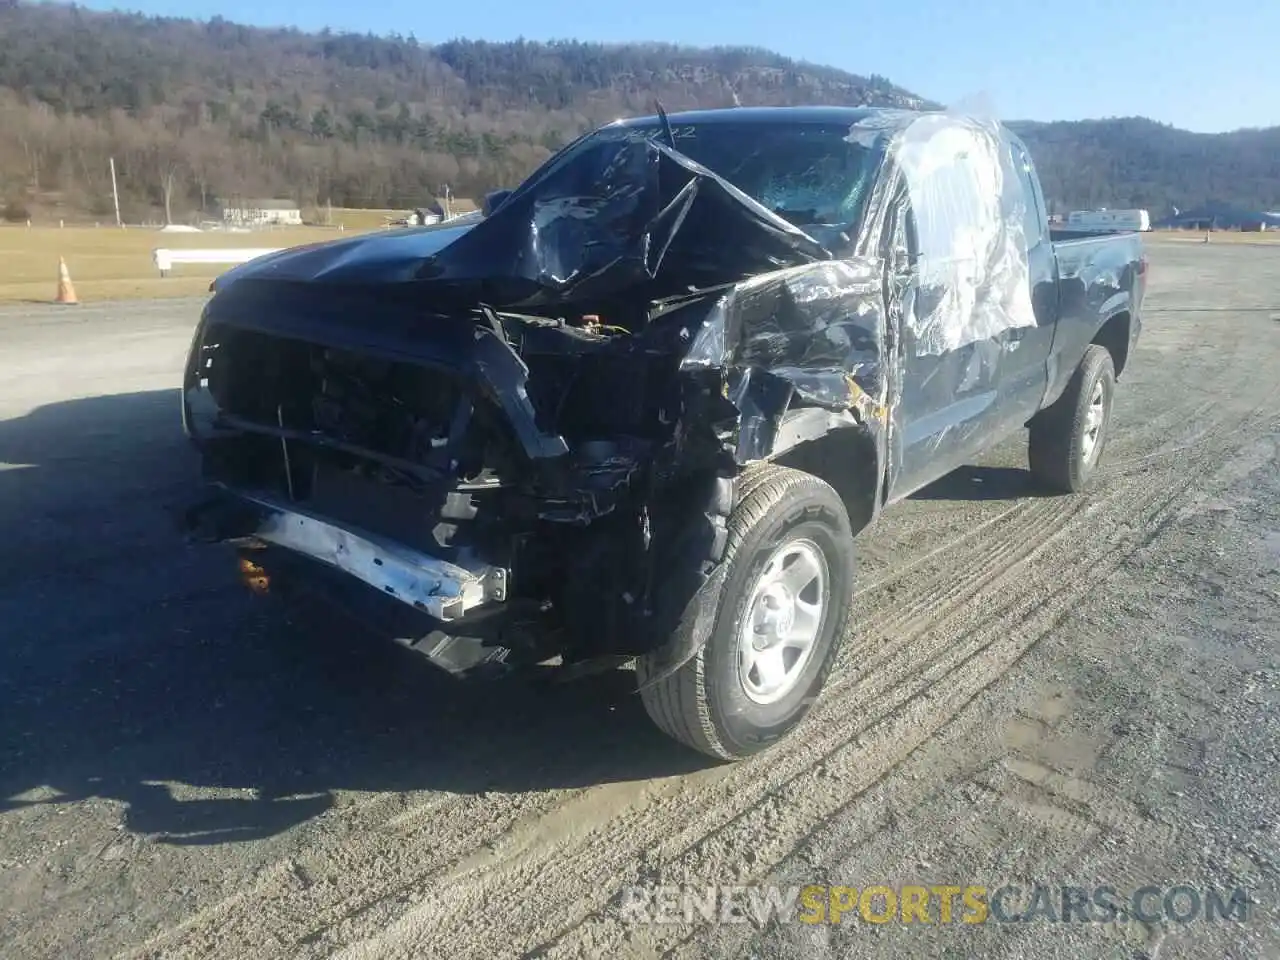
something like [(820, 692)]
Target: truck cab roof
[(887, 120), (770, 115)]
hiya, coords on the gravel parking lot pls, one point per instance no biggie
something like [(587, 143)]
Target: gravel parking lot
[(1064, 690)]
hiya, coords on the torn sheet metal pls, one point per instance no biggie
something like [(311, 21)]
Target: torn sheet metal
[(445, 590), (968, 213), (816, 332)]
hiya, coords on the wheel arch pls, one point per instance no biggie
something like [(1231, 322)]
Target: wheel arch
[(848, 459), (1114, 335), (674, 680)]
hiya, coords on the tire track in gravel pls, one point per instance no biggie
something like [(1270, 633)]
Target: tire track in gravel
[(1082, 815), (297, 892), (431, 921), (362, 889), (762, 813), (386, 871), (994, 644), (1010, 536), (304, 894), (392, 863)]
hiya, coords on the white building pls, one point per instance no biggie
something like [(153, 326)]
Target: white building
[(252, 213)]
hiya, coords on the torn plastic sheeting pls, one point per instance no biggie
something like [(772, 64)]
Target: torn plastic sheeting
[(876, 126), (614, 215), (969, 209)]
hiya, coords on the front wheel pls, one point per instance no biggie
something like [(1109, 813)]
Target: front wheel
[(782, 614)]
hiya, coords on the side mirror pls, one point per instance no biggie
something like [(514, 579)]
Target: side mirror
[(492, 201)]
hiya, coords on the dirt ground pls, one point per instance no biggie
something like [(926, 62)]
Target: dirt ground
[(1064, 690)]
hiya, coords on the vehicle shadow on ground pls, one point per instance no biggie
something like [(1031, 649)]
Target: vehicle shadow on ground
[(134, 668), (982, 483)]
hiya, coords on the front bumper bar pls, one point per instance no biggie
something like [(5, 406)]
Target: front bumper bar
[(442, 589)]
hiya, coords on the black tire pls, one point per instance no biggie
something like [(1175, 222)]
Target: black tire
[(1061, 455), (705, 703)]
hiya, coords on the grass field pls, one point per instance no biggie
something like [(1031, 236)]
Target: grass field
[(1218, 236), (107, 263), (351, 218)]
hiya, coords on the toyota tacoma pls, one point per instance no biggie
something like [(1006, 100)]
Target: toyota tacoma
[(639, 409)]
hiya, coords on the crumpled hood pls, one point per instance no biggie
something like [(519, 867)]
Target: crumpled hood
[(391, 256), (605, 219)]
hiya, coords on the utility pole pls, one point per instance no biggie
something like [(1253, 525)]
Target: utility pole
[(115, 193)]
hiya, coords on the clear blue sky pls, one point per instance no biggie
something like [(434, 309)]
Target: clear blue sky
[(1205, 65)]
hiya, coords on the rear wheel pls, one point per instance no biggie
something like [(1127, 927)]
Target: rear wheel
[(1068, 437), (783, 612)]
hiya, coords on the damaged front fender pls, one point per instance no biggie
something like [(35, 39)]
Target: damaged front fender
[(691, 633), (811, 336)]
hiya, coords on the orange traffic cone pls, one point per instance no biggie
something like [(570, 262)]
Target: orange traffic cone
[(66, 292)]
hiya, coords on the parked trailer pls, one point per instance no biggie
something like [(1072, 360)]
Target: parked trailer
[(1114, 220)]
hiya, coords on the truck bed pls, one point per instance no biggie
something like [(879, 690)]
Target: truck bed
[(1098, 255), (1066, 235)]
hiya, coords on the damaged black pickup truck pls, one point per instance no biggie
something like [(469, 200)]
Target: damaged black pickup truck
[(640, 408)]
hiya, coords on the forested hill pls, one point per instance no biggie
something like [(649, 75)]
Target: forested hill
[(1135, 162), (203, 110), (217, 109)]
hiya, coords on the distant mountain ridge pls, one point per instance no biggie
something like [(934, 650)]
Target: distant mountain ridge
[(193, 110), (1136, 162)]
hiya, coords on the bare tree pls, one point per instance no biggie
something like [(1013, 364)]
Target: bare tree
[(166, 188)]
